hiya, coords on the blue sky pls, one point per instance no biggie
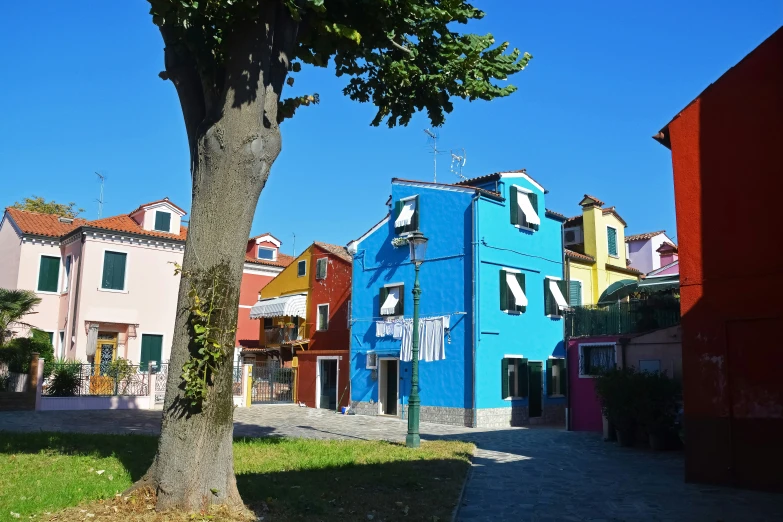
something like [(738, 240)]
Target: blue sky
[(81, 94)]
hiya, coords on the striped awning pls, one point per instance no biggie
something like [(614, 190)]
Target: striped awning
[(294, 305)]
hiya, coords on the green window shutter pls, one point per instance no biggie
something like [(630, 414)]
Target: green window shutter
[(400, 308), (574, 293), (521, 280), (114, 270), (548, 299), (513, 205), (550, 385), (504, 293), (416, 215), (563, 376), (151, 350), (397, 209), (522, 378), (534, 201), (162, 221), (48, 274), (504, 378), (612, 240), (382, 298), (51, 337), (563, 285)]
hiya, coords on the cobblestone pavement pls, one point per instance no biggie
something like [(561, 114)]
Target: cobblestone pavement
[(535, 474)]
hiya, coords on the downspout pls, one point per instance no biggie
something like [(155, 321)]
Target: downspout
[(77, 289), (567, 277), (475, 320)]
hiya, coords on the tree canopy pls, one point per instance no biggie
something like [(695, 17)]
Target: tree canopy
[(39, 204), (403, 56)]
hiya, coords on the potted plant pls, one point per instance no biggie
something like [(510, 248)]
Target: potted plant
[(617, 390), (658, 407)]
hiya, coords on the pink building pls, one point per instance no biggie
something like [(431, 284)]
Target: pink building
[(642, 250)]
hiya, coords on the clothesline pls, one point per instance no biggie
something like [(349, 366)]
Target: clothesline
[(392, 318)]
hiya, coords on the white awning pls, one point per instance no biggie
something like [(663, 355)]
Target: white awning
[(391, 301), (288, 305), (406, 214), (557, 294), (527, 208), (519, 296)]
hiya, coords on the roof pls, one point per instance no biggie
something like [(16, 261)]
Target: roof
[(164, 200), (573, 221), (667, 246), (39, 224), (496, 176), (125, 223), (283, 260), (624, 270), (558, 215), (339, 251), (644, 236), (595, 200), (581, 257), (486, 192), (613, 210)]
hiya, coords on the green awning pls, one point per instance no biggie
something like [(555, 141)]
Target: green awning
[(618, 290), (660, 283)]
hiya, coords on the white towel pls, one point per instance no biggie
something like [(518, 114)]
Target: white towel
[(397, 334), (389, 329), (380, 329)]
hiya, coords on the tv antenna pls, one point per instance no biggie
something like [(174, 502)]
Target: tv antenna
[(102, 179), (433, 139), (458, 162), (294, 252)]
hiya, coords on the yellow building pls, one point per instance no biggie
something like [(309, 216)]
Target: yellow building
[(596, 262)]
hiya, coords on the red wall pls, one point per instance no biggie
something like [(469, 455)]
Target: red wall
[(727, 155), (247, 328), (336, 291)]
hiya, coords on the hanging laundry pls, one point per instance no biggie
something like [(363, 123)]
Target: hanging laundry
[(380, 329), (389, 329), (431, 340), (397, 333)]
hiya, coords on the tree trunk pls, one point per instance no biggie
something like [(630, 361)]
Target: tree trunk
[(234, 139)]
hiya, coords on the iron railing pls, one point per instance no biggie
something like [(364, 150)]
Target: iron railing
[(238, 380), (635, 316), (74, 379), (161, 377), (283, 335)]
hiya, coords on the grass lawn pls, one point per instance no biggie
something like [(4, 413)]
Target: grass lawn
[(279, 479)]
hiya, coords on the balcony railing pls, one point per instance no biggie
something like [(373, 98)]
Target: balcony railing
[(283, 335), (636, 316)]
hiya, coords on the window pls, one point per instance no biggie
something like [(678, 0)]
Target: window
[(67, 280), (266, 253), (391, 300), (513, 377), (113, 270), (574, 293), (523, 205), (512, 291), (320, 268), (594, 358), (301, 268), (162, 221), (50, 337), (556, 378), (554, 296), (61, 347), (323, 317), (407, 215), (650, 365), (49, 274), (611, 238), (151, 350)]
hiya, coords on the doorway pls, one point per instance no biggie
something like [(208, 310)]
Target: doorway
[(106, 351), (326, 385), (388, 386), (536, 388)]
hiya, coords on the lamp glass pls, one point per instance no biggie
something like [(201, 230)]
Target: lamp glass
[(418, 247)]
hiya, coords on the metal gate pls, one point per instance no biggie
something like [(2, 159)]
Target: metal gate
[(272, 383), (162, 372)]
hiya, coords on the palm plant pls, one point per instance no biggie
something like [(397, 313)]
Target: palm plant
[(15, 304)]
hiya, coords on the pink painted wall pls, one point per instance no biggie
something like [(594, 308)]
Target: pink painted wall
[(10, 251), (585, 409)]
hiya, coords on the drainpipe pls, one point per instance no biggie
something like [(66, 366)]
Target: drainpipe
[(567, 277), (77, 290), (475, 326)]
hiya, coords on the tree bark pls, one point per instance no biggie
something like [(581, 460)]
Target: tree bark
[(234, 139)]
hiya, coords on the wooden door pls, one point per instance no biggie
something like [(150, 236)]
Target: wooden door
[(536, 384)]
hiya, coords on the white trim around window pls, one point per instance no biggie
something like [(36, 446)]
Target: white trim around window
[(318, 360), (66, 274), (273, 250), (300, 263), (100, 274), (318, 325), (549, 289), (61, 345), (616, 242), (581, 354), (38, 274)]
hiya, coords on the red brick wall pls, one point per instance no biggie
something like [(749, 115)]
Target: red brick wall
[(727, 155)]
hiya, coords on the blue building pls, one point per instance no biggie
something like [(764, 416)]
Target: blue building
[(494, 267)]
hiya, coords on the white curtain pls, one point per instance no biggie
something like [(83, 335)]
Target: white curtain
[(431, 339), (92, 339)]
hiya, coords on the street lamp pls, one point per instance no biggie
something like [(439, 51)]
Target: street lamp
[(418, 245)]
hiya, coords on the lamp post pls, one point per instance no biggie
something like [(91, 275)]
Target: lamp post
[(418, 247)]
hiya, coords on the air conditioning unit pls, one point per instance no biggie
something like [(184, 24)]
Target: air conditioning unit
[(372, 361), (573, 236)]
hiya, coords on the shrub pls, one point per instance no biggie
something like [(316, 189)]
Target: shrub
[(619, 390), (66, 379), (658, 403), (18, 352)]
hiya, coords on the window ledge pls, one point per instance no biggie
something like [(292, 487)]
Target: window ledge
[(523, 227), (112, 291), (46, 292), (614, 256), (509, 399), (551, 316)]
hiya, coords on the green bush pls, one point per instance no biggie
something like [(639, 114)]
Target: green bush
[(659, 403), (65, 379), (18, 352), (619, 390)]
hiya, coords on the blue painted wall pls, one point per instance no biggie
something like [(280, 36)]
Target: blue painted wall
[(537, 254), (445, 280)]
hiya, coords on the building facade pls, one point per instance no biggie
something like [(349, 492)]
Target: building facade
[(730, 136), (642, 250), (492, 298)]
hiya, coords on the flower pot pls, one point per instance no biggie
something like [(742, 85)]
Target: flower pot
[(626, 437)]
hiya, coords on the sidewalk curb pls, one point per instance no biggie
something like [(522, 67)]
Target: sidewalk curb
[(457, 508)]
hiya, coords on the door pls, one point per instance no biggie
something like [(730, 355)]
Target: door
[(327, 375), (272, 383), (536, 384), (106, 352), (388, 387)]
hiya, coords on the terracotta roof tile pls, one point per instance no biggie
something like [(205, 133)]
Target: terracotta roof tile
[(576, 220), (667, 246), (597, 201), (556, 214), (494, 176), (39, 224), (613, 210), (164, 200), (490, 193), (283, 260), (577, 255), (125, 223), (645, 235), (339, 251), (625, 270)]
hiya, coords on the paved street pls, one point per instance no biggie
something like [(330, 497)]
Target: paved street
[(518, 474)]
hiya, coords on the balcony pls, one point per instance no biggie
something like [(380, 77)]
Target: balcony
[(630, 317), (280, 336)]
